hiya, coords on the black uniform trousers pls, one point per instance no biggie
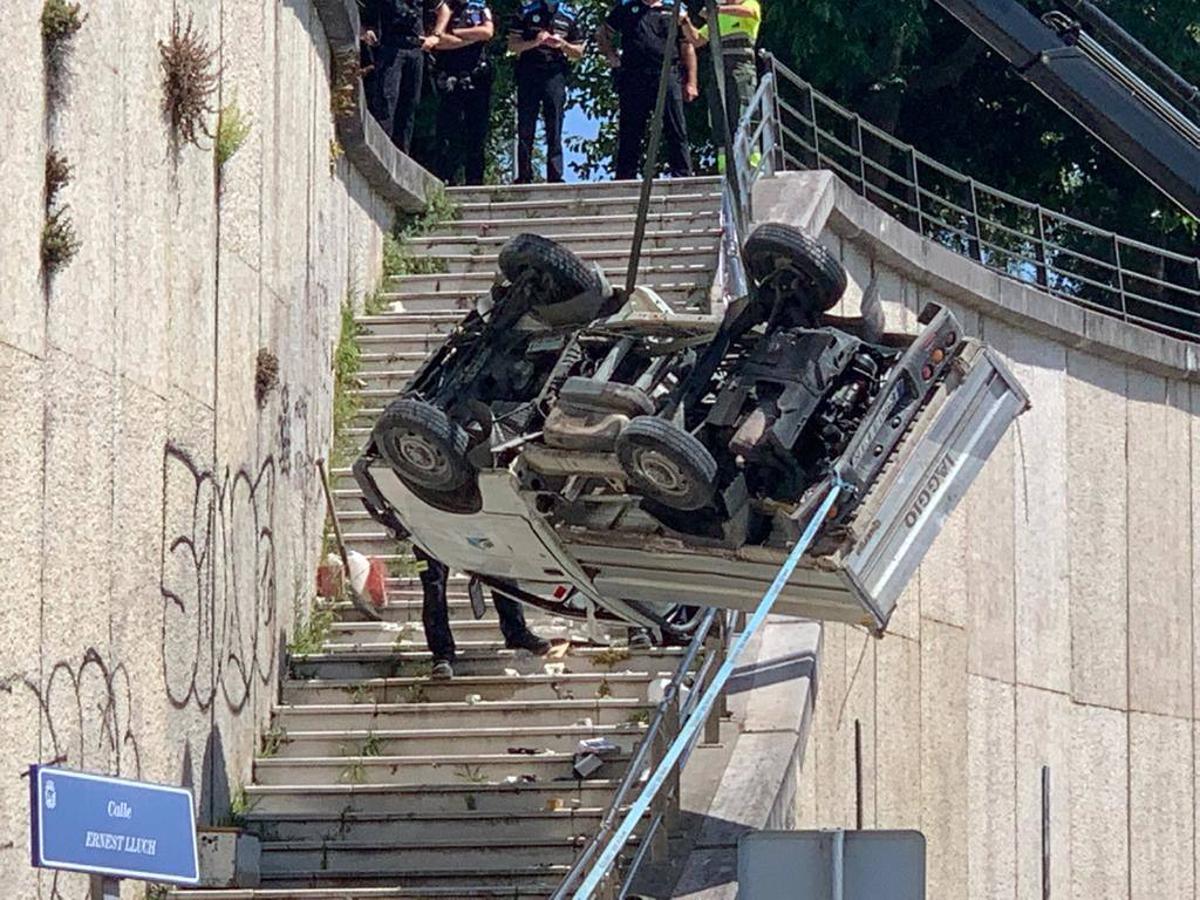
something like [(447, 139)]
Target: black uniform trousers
[(435, 613), (462, 130), (543, 92), (637, 92), (395, 91)]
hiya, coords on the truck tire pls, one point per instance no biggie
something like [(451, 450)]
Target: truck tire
[(423, 446), (667, 464), (802, 266), (560, 275)]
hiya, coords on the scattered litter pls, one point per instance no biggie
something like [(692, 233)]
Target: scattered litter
[(528, 779), (586, 765), (584, 723), (597, 745), (554, 804), (555, 670), (656, 690), (524, 751), (512, 673), (510, 779), (472, 699), (559, 649)]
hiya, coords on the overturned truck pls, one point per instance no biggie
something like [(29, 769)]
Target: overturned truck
[(597, 454)]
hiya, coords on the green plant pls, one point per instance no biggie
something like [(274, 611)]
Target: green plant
[(372, 746), (359, 693), (233, 127), (398, 259), (471, 774), (639, 717), (157, 891), (343, 94), (189, 81), (273, 741), (59, 173), (610, 657), (61, 21), (347, 361), (355, 773), (336, 152), (59, 241), (240, 806), (312, 630), (604, 689)]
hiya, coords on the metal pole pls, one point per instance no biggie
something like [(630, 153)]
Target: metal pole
[(720, 109), (1045, 833), (916, 184), (977, 248), (1120, 276), (839, 863), (105, 888), (858, 779), (1043, 270), (656, 124)]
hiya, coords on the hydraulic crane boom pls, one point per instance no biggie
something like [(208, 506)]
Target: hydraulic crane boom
[(1095, 89)]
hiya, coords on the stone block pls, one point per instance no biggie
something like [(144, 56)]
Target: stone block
[(860, 271), (860, 706), (1162, 807), (1043, 738), (1160, 588), (833, 758), (1041, 533), (991, 797), (1097, 486), (943, 757), (991, 601), (1099, 781), (897, 737), (23, 160), (244, 87)]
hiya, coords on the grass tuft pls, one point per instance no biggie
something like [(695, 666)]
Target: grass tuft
[(233, 127), (59, 173), (343, 94), (266, 375), (189, 81), (312, 631), (59, 241), (61, 21)]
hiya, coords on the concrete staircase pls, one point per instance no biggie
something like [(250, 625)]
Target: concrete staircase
[(376, 782)]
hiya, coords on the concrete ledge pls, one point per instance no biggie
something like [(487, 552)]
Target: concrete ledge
[(393, 175), (758, 786), (816, 200)]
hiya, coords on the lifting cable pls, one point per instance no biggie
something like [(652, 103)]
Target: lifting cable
[(698, 717)]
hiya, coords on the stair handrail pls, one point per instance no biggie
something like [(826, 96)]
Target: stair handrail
[(668, 710), (1088, 266)]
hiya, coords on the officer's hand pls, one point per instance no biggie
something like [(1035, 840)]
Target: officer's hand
[(690, 93), (543, 37), (429, 42), (554, 42), (370, 38)]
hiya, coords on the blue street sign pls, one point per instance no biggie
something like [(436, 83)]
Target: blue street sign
[(110, 826)]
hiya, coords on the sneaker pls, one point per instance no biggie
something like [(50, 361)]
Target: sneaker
[(442, 670), (536, 645)]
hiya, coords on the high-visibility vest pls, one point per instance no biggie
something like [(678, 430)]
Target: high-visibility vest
[(738, 32)]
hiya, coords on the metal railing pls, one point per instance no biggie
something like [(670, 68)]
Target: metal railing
[(1096, 269), (712, 632)]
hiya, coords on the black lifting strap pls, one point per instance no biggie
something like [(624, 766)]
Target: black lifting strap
[(718, 103)]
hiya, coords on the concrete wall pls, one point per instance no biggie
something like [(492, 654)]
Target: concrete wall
[(1054, 621), (158, 528)]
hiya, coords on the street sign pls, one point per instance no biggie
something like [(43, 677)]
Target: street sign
[(831, 865), (111, 826)]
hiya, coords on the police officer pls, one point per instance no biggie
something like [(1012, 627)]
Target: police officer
[(737, 24), (463, 77), (643, 27), (396, 32), (546, 36)]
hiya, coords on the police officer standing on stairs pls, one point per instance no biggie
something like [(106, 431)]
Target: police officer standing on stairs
[(737, 25), (644, 27), (546, 37), (463, 77), (395, 30)]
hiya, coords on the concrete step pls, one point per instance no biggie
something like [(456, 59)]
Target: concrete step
[(514, 192), (476, 859), (409, 324), (466, 630), (564, 226), (586, 205), (568, 686), (614, 241), (484, 714), (423, 344), (440, 768), (456, 891), (696, 256), (531, 881), (339, 799), (405, 827), (475, 659), (431, 742)]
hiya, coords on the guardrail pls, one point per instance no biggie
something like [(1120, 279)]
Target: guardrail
[(670, 716), (1097, 269)]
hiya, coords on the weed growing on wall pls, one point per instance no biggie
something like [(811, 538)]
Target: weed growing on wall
[(266, 375), (233, 127), (347, 360), (336, 152), (189, 81), (398, 255), (312, 630), (343, 92), (59, 173), (59, 241)]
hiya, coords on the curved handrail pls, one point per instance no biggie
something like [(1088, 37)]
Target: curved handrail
[(1098, 269)]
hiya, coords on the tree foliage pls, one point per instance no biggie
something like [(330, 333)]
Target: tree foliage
[(910, 68)]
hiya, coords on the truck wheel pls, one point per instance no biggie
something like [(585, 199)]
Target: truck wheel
[(666, 464), (424, 447), (557, 274), (786, 260)]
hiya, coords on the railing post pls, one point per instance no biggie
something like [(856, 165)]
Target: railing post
[(1043, 274), (670, 792), (976, 245), (1120, 275), (916, 190), (862, 162), (812, 115), (780, 134)]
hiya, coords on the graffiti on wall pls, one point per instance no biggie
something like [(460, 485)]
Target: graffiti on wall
[(218, 584)]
